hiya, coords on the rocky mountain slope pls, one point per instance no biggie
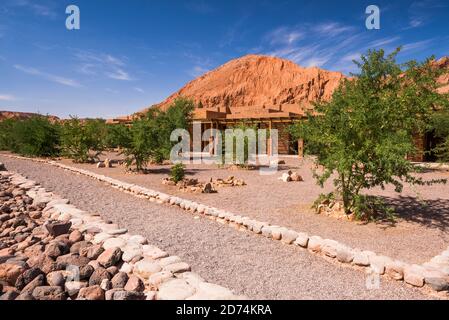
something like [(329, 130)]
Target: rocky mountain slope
[(260, 82)]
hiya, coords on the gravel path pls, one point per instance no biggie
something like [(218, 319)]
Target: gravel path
[(251, 265), (421, 233)]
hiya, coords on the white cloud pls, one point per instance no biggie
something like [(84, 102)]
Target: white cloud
[(331, 29), (40, 9), (139, 90), (417, 45), (7, 97), (383, 42), (119, 74), (51, 77), (285, 35), (93, 63)]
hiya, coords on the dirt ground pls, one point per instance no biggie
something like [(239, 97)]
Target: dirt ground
[(420, 232)]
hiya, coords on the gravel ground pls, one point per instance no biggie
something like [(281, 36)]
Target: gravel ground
[(421, 232), (251, 265)]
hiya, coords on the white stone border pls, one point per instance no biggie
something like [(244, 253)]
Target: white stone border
[(165, 277), (434, 274)]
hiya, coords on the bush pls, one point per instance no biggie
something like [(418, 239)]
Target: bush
[(365, 132), (137, 149), (6, 129), (177, 116), (440, 126), (33, 137), (149, 137), (83, 141), (118, 136), (177, 172)]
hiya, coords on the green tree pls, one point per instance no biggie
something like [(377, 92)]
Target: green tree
[(6, 139), (440, 126), (364, 133), (117, 136), (149, 137), (35, 137), (177, 116), (140, 143), (83, 140)]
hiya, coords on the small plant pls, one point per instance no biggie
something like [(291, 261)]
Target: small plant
[(177, 172)]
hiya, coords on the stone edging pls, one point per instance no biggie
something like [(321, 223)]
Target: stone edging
[(165, 277), (433, 274)]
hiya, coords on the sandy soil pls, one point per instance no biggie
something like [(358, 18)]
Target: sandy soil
[(251, 265), (421, 231)]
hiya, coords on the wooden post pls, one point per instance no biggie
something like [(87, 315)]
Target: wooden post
[(211, 140), (300, 148), (270, 141)]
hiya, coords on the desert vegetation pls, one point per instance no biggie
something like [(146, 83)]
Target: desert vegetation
[(365, 132), (84, 140)]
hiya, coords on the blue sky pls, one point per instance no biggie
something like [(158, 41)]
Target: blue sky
[(131, 54)]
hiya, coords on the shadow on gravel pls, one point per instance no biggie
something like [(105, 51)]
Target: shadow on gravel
[(430, 213)]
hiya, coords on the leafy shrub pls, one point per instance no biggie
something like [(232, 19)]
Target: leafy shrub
[(149, 137), (117, 136), (177, 172), (139, 144), (6, 129), (440, 125), (83, 141), (365, 132), (34, 137), (177, 116)]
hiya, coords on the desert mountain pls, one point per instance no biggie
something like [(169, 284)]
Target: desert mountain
[(259, 83), (264, 84), (20, 115)]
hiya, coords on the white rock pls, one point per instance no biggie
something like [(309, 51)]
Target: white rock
[(169, 260), (178, 267), (130, 253), (154, 252), (138, 239), (114, 243), (414, 275), (378, 263), (209, 291), (361, 258), (126, 267), (176, 289), (315, 243), (146, 267), (302, 239)]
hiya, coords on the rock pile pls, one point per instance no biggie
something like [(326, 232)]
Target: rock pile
[(50, 250), (290, 176), (194, 186), (231, 181), (104, 164), (334, 209)]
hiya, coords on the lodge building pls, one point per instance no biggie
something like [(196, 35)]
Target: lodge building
[(276, 117)]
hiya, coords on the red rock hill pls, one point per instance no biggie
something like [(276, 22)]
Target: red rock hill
[(260, 84)]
